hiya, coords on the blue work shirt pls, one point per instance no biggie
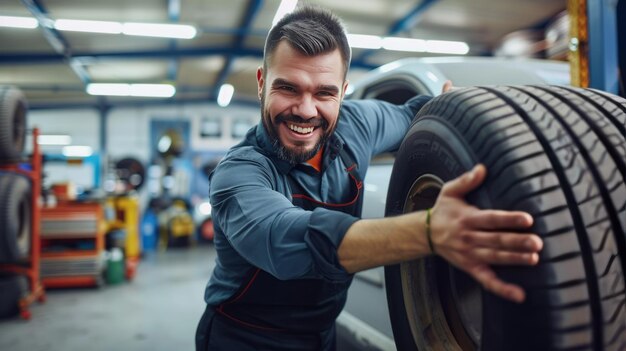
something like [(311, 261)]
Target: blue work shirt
[(256, 224)]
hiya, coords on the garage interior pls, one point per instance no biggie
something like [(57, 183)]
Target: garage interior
[(118, 230)]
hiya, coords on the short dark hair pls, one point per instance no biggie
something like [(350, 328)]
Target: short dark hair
[(312, 30)]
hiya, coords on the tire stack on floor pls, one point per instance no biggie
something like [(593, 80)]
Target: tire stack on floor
[(15, 199), (558, 153)]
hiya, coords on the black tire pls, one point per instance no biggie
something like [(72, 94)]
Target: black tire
[(131, 172), (12, 289), (15, 217), (13, 109), (556, 153)]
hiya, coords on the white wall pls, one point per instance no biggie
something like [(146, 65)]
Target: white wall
[(128, 132), (128, 129), (82, 125)]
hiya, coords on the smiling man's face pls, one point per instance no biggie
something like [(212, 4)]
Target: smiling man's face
[(300, 100)]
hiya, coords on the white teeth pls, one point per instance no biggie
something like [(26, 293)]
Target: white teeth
[(300, 129)]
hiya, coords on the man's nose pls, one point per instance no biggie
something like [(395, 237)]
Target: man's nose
[(305, 107)]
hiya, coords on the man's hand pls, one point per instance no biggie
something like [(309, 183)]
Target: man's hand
[(447, 86), (472, 239)]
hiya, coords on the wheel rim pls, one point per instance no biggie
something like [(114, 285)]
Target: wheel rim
[(443, 305)]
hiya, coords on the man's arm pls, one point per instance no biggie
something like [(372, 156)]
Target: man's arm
[(262, 225), (468, 238)]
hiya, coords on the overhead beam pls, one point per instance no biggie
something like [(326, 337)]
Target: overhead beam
[(405, 23), (56, 39), (412, 18), (254, 6), (40, 58), (36, 58), (97, 105), (234, 31), (45, 58)]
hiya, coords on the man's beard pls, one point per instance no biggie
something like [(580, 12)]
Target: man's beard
[(297, 154)]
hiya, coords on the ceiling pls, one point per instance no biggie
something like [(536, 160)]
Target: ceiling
[(229, 45)]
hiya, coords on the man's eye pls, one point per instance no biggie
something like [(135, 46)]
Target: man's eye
[(286, 88)]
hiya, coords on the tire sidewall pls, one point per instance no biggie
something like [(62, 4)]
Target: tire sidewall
[(16, 230), (431, 146), (13, 109)]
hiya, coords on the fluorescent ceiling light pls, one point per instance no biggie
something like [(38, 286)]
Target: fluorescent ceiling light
[(88, 26), (179, 31), (77, 151), (51, 139), (152, 90), (407, 44), (285, 7), (447, 47), (108, 89), (144, 90), (225, 95), (404, 44), (18, 22), (365, 41)]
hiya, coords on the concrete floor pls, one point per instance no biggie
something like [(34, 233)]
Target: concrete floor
[(158, 310)]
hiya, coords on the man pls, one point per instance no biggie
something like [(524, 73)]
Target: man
[(287, 200)]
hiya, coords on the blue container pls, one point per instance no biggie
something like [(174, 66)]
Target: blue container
[(149, 231)]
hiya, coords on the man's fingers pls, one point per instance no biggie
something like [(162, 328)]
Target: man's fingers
[(488, 279), (498, 219), (503, 257), (447, 86), (465, 183), (505, 241)]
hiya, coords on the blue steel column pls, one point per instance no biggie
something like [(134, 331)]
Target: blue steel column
[(603, 60), (173, 13), (252, 10), (103, 110)]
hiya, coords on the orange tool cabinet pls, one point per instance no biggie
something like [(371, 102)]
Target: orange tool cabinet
[(72, 242)]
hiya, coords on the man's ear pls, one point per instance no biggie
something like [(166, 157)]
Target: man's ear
[(260, 81), (345, 88)]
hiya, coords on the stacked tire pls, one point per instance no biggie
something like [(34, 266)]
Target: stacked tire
[(15, 199), (558, 153)]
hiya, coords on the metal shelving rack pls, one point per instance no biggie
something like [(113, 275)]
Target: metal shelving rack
[(31, 266)]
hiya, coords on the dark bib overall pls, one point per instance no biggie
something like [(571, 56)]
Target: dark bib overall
[(271, 314)]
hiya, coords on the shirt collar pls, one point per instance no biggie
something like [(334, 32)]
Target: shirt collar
[(262, 138)]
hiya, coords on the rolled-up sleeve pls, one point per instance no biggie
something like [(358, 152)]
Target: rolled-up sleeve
[(267, 230), (326, 231)]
